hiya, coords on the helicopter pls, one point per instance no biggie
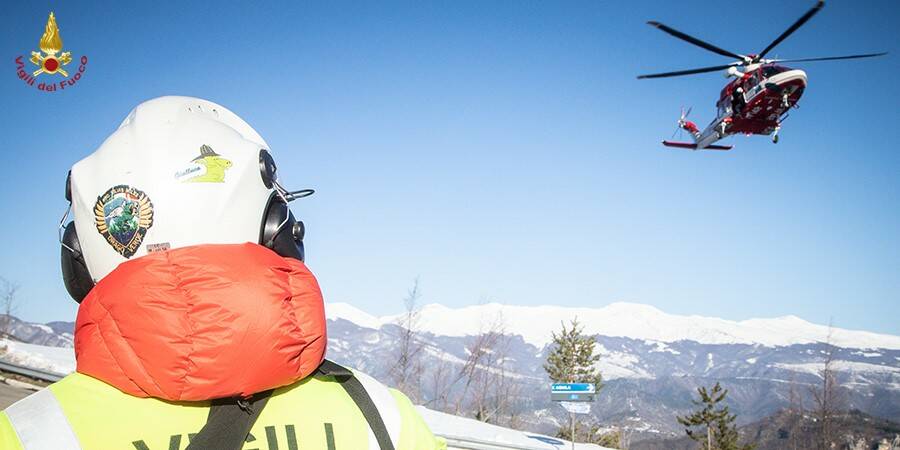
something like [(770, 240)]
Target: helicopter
[(758, 98)]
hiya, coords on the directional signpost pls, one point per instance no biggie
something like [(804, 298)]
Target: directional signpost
[(575, 398), (576, 407), (572, 392)]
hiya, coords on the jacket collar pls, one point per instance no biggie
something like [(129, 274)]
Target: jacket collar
[(202, 322)]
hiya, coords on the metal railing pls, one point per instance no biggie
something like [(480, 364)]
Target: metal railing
[(466, 443), (37, 374)]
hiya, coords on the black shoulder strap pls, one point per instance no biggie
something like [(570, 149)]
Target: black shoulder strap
[(357, 392), (230, 419), (229, 422)]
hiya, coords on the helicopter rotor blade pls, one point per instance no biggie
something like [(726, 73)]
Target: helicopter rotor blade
[(799, 23), (693, 40), (679, 73), (831, 58)]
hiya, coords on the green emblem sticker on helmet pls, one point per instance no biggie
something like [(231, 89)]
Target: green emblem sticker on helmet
[(209, 167), (123, 215)]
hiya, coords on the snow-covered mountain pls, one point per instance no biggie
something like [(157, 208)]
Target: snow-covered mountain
[(652, 362), (535, 325), (53, 334)]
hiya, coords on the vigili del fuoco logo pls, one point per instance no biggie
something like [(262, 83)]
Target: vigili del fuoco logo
[(49, 62)]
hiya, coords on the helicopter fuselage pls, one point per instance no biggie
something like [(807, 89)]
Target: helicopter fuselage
[(759, 107)]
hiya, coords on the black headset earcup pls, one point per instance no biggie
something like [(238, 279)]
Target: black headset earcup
[(75, 273), (284, 238)]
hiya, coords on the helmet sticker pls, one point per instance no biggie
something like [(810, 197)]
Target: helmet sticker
[(209, 167), (123, 215)]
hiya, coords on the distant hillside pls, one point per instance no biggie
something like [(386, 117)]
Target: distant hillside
[(62, 327), (784, 430), (53, 334)]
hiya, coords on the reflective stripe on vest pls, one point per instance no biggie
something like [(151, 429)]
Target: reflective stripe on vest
[(387, 407), (40, 423)]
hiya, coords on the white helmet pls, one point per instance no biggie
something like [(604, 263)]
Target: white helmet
[(179, 171)]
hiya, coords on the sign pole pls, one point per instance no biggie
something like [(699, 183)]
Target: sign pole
[(575, 398), (572, 421)]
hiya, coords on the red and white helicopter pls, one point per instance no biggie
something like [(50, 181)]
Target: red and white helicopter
[(758, 97)]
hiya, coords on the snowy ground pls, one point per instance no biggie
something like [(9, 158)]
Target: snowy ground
[(470, 434), (59, 360)]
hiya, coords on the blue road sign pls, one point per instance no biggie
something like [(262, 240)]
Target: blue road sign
[(561, 388), (572, 392)]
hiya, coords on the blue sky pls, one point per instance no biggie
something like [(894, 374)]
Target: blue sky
[(500, 151)]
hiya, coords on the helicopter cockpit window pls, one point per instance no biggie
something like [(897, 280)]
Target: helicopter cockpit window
[(751, 82), (771, 70), (724, 108)]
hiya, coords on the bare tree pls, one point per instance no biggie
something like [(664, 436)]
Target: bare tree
[(489, 388), (481, 386), (406, 372), (440, 383), (854, 443), (470, 373), (794, 415), (827, 397), (893, 445), (8, 301), (496, 388), (625, 438)]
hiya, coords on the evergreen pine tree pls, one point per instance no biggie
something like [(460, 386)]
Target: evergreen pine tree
[(718, 431), (572, 359), (726, 435)]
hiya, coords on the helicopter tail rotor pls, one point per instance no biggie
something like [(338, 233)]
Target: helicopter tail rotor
[(684, 113), (679, 124), (684, 124)]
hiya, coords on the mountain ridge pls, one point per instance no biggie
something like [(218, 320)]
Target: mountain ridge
[(620, 319)]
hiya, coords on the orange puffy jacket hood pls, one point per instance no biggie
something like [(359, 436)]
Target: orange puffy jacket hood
[(202, 322)]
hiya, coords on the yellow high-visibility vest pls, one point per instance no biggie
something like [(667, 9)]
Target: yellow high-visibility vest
[(80, 412)]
